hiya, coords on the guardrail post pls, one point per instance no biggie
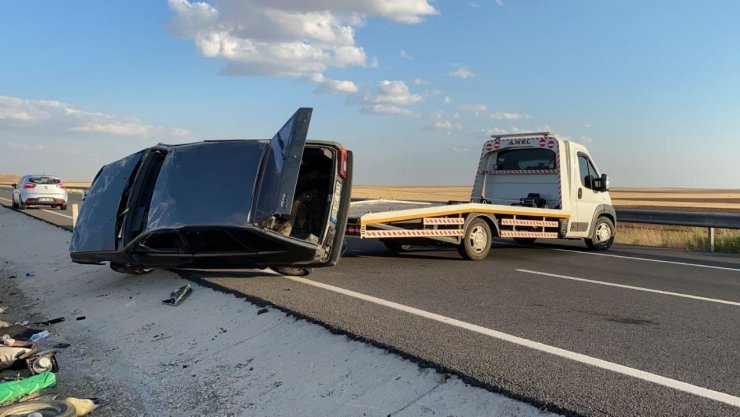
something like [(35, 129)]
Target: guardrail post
[(75, 211), (710, 240)]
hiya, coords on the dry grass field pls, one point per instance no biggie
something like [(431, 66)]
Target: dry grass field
[(638, 234)]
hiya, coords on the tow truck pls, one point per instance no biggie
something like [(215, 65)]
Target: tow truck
[(528, 186)]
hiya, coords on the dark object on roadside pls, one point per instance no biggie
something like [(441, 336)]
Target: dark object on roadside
[(49, 322), (81, 318), (254, 204), (30, 274), (532, 200), (180, 294), (262, 311), (12, 276), (61, 345)]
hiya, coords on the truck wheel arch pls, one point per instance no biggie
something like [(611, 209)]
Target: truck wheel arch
[(604, 210), (489, 218)]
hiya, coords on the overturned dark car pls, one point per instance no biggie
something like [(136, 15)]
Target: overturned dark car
[(220, 204)]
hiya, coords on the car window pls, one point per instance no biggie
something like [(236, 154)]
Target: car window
[(587, 171), (44, 180), (525, 159)]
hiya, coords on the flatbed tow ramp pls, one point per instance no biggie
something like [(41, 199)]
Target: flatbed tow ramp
[(468, 226)]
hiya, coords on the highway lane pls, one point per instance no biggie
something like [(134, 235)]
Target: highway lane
[(691, 341), (58, 217), (537, 294)]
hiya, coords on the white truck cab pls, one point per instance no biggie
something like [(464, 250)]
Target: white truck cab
[(528, 186), (540, 170)]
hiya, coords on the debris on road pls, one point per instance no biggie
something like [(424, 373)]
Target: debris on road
[(30, 274), (81, 318), (3, 310), (49, 322), (39, 336), (179, 295), (14, 390), (262, 311)]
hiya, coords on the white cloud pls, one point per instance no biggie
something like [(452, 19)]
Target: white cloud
[(473, 5), (585, 139), (447, 100), (387, 109), (500, 2), (444, 125), (420, 81), (327, 86), (55, 118), (509, 116), (476, 109), (406, 55), (462, 72), (289, 38)]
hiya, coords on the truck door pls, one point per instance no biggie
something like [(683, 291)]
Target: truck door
[(586, 199)]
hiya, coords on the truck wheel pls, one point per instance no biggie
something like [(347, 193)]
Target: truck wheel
[(525, 240), (395, 247), (476, 244), (130, 270), (602, 236)]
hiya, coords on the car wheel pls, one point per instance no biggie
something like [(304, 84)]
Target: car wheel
[(130, 270), (525, 240), (14, 204), (602, 236), (394, 246), (476, 244), (22, 205), (63, 207), (292, 271)]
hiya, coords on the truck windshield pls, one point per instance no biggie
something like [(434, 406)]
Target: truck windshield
[(525, 159)]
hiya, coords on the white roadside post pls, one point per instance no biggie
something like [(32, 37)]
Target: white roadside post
[(75, 211)]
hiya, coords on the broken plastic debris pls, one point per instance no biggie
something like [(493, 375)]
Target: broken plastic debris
[(81, 318), (39, 336), (30, 274), (3, 309), (49, 322), (180, 294)]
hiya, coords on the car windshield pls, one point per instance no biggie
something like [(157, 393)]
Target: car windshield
[(44, 180)]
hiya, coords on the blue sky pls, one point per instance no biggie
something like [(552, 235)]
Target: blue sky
[(413, 87)]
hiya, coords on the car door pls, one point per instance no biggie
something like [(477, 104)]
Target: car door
[(98, 222), (280, 167), (587, 199)]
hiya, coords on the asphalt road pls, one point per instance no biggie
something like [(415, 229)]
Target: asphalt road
[(635, 331), (55, 216)]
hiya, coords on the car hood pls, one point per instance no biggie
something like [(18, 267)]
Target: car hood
[(230, 183)]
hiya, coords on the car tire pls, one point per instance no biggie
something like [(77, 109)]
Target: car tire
[(602, 236), (292, 271), (22, 205), (525, 240), (395, 247), (130, 270), (14, 204), (476, 243), (63, 207), (47, 408)]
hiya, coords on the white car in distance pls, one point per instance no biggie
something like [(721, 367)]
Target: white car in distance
[(40, 190)]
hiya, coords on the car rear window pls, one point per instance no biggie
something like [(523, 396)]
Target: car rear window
[(44, 180)]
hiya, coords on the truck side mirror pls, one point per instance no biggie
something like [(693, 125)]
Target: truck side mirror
[(14, 185), (604, 183)]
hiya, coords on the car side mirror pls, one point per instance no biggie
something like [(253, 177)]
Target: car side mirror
[(601, 184), (14, 185)]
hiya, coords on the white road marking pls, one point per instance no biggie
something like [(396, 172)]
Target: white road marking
[(56, 213), (650, 260), (630, 287), (48, 211), (723, 268), (588, 360)]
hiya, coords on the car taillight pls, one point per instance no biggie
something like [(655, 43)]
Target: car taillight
[(30, 185), (61, 186), (343, 163)]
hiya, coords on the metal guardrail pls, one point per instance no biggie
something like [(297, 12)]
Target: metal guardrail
[(710, 220)]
